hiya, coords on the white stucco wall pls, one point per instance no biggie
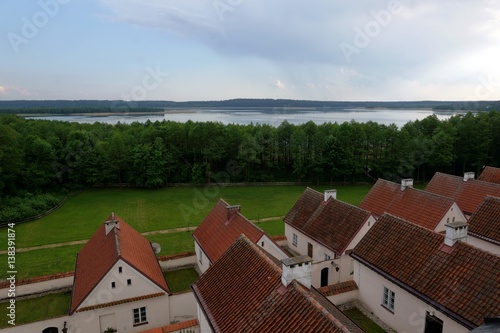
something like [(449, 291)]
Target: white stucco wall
[(319, 262), (267, 244), (343, 298), (409, 311), (204, 325), (482, 244), (34, 288), (104, 293), (178, 262), (370, 221), (182, 307), (202, 260), (454, 214)]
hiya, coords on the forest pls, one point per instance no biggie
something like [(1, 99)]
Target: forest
[(41, 156)]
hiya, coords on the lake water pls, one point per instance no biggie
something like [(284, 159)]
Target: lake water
[(271, 116)]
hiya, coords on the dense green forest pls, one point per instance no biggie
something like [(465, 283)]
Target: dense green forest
[(40, 155), (98, 106)]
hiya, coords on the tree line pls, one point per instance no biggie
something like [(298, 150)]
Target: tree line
[(38, 156)]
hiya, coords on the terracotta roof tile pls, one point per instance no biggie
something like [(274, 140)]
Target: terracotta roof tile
[(338, 288), (485, 222), (467, 194), (490, 174), (332, 223), (420, 207), (465, 282), (174, 327), (242, 292), (102, 251), (221, 227)]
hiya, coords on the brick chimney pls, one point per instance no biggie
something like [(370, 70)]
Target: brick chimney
[(330, 194), (468, 176), (408, 182), (296, 268), (456, 231), (111, 223)]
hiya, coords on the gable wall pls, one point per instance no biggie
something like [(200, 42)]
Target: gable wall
[(202, 260), (104, 293), (453, 213), (271, 247)]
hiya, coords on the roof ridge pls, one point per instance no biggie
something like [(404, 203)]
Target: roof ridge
[(117, 243), (314, 302)]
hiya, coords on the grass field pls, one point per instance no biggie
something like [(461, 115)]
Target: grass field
[(180, 280), (40, 308), (148, 210)]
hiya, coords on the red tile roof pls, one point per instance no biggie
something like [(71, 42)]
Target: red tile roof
[(485, 222), (102, 251), (221, 227), (338, 288), (332, 223), (464, 283), (467, 194), (420, 207), (242, 292), (174, 327), (490, 174)]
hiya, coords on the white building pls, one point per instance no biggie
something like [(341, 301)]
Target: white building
[(326, 229), (418, 280)]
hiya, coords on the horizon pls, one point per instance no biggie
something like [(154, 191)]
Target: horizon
[(149, 50)]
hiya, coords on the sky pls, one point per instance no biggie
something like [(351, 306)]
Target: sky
[(187, 50)]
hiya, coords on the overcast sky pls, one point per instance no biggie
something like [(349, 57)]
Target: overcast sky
[(221, 49)]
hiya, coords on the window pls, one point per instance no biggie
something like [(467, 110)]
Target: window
[(388, 299), (262, 244), (327, 257), (453, 220), (310, 250), (294, 241), (447, 220), (201, 256), (120, 269), (113, 285), (129, 282), (140, 316)]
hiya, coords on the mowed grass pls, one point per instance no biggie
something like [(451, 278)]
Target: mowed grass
[(273, 227), (36, 309), (180, 280), (43, 262), (149, 210), (366, 323)]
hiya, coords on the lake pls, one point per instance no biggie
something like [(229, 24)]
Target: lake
[(271, 116)]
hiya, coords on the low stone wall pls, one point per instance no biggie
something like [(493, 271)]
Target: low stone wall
[(175, 261), (38, 285)]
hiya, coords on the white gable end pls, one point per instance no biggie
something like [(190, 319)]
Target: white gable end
[(120, 283)]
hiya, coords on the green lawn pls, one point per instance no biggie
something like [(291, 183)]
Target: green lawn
[(272, 228), (148, 210), (366, 323), (180, 280), (36, 309)]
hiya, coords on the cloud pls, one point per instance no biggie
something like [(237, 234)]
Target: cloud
[(279, 84)]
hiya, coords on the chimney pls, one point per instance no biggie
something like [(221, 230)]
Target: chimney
[(296, 268), (469, 175), (231, 210), (456, 231), (408, 182), (330, 194), (111, 223)]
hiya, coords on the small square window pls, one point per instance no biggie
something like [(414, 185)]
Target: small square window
[(129, 282), (294, 240), (120, 269), (113, 285), (388, 299)]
